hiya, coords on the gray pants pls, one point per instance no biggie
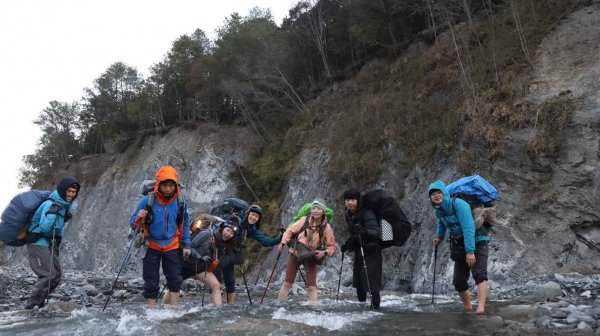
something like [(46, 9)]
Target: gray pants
[(49, 273)]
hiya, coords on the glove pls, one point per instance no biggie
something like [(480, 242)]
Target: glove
[(281, 230), (68, 216), (205, 258), (357, 229), (347, 245)]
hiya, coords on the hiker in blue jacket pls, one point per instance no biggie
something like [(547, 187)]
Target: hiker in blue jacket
[(49, 222), (468, 247), (250, 228)]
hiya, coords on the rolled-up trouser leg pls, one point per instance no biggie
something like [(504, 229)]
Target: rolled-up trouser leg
[(461, 274), (479, 270)]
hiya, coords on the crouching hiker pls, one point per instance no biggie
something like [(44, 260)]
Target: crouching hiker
[(468, 247), (314, 241), (202, 259), (224, 244), (49, 222), (364, 233), (166, 226), (250, 228)]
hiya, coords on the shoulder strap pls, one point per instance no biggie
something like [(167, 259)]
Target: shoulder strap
[(180, 203), (304, 226), (150, 201), (54, 208)]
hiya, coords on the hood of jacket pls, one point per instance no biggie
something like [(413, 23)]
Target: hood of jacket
[(163, 174), (66, 183), (446, 200), (58, 199)]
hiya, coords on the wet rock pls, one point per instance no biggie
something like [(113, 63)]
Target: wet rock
[(594, 312), (540, 310), (61, 307), (584, 328), (515, 311), (495, 321), (548, 291), (558, 313), (89, 290), (543, 321)]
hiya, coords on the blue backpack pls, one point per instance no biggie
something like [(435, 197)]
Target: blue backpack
[(473, 189), (16, 217)]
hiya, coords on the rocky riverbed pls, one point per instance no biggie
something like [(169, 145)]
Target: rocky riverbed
[(549, 304)]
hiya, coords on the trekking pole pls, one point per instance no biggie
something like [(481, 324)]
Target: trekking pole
[(270, 277), (203, 282), (362, 253), (160, 293), (246, 284), (337, 296), (122, 265), (51, 262), (302, 275), (434, 266)]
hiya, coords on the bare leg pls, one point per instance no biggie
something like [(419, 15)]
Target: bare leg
[(285, 290), (482, 288), (172, 299), (312, 294), (230, 298), (165, 298), (465, 297), (215, 288)]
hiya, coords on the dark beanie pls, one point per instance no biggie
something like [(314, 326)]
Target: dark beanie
[(66, 183), (351, 194)]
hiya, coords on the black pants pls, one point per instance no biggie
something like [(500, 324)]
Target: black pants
[(462, 270), (171, 267)]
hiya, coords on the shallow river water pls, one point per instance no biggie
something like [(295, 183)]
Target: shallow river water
[(399, 315)]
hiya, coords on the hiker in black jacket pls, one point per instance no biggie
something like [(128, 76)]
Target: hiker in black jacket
[(363, 224)]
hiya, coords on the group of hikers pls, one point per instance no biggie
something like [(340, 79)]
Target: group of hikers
[(206, 248)]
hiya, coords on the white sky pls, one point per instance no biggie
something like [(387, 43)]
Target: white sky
[(53, 49)]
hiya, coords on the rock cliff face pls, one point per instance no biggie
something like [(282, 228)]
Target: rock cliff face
[(550, 207), (554, 227)]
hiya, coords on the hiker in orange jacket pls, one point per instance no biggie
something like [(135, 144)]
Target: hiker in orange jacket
[(167, 227)]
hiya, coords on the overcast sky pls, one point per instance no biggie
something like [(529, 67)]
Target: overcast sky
[(53, 49)]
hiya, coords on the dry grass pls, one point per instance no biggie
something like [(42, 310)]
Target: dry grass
[(553, 116)]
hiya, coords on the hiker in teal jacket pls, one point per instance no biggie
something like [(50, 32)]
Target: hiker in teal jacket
[(468, 247), (49, 221)]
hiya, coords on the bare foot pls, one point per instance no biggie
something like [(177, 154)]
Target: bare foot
[(480, 311)]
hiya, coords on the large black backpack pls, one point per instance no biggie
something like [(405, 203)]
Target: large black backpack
[(232, 209), (395, 227)]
